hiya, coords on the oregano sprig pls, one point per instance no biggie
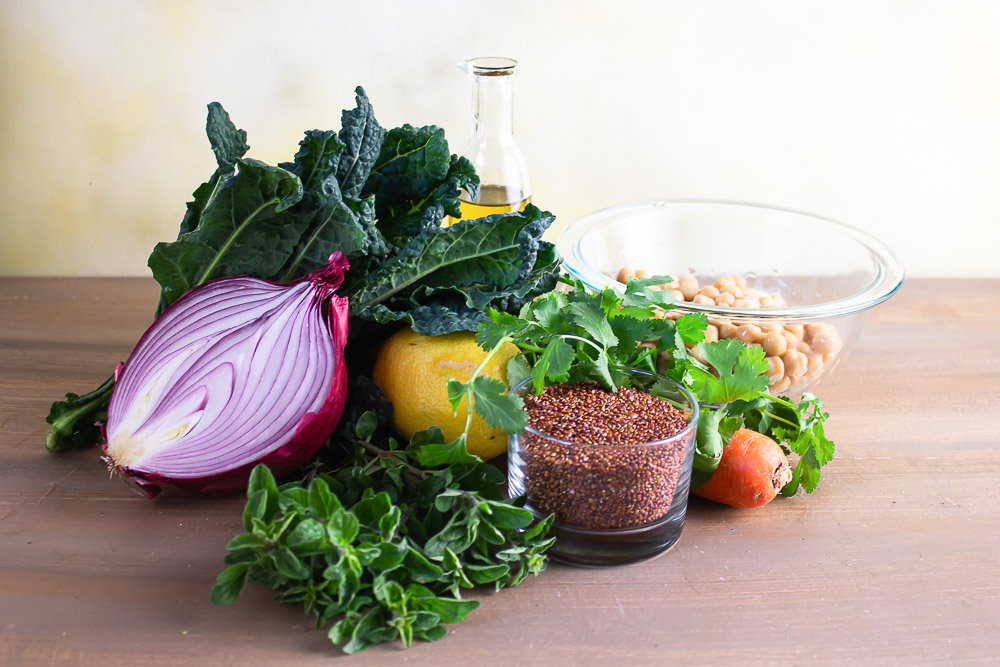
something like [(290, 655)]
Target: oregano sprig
[(382, 549)]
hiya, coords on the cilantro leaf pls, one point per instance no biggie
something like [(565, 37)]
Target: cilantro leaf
[(553, 364), (589, 317), (436, 454), (499, 324), (547, 310), (499, 408), (629, 331), (741, 372), (691, 327), (640, 292)]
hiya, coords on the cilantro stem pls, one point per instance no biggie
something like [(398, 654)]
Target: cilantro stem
[(489, 355), (474, 375), (600, 350), (780, 419)]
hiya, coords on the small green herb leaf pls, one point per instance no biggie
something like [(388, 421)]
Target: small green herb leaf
[(230, 583)]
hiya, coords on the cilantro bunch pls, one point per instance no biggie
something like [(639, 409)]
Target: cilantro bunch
[(582, 336), (732, 388), (577, 336)]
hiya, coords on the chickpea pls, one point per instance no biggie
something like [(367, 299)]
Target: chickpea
[(775, 369), (711, 333), (813, 329), (727, 330), (678, 296), (795, 363), (704, 300), (774, 344), (750, 293), (735, 290), (740, 280), (743, 302), (782, 385), (779, 301), (641, 273), (772, 327), (827, 343), (803, 347), (797, 330), (725, 299), (766, 302), (689, 286), (749, 333), (711, 291), (725, 280), (790, 339), (815, 365), (673, 284), (624, 274)]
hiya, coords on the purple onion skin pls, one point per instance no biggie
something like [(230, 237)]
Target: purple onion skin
[(313, 428)]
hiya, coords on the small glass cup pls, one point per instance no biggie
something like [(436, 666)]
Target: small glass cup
[(613, 504)]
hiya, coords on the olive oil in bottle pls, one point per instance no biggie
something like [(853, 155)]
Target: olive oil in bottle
[(503, 175), (492, 199)]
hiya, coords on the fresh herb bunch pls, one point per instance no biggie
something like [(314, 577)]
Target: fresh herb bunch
[(580, 336), (383, 546), (577, 336), (376, 196)]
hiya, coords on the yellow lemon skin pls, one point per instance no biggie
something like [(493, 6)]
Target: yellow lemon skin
[(413, 372)]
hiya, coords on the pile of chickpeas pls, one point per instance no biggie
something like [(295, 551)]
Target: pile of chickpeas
[(796, 353)]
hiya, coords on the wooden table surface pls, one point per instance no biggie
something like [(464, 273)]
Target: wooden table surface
[(894, 560)]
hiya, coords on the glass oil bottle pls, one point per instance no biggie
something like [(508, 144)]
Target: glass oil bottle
[(503, 174)]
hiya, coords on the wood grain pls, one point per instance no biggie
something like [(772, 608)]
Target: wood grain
[(892, 561)]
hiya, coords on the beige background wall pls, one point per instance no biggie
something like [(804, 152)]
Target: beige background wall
[(883, 114)]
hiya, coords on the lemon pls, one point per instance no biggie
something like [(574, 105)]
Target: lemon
[(413, 371)]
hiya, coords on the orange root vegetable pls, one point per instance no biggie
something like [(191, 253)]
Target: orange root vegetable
[(751, 472)]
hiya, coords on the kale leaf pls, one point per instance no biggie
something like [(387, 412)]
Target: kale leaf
[(247, 230), (446, 277)]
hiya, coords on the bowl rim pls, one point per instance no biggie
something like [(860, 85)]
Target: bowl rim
[(888, 278)]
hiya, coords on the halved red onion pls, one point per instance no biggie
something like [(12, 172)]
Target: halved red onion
[(238, 371)]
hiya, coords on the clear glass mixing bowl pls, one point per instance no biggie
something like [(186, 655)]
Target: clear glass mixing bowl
[(828, 274)]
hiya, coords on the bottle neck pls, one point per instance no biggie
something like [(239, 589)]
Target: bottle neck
[(493, 107)]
